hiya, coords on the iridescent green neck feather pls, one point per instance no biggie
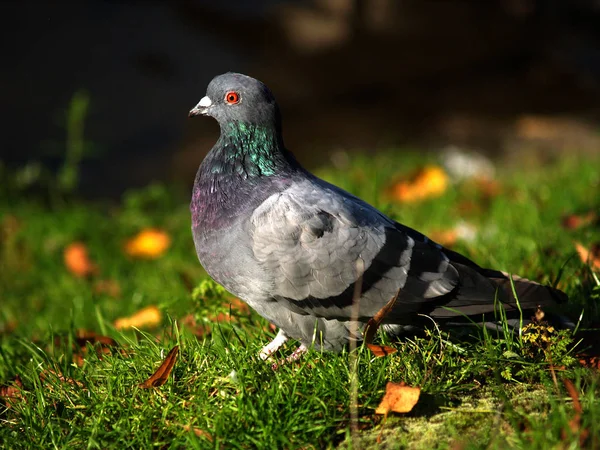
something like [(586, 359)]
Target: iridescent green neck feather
[(246, 163), (253, 150)]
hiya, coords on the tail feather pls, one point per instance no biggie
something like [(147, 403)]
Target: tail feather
[(481, 291)]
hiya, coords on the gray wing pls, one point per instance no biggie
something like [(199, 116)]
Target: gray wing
[(314, 241)]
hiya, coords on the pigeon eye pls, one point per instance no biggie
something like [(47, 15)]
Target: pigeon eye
[(232, 97)]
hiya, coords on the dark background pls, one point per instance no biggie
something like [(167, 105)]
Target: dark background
[(497, 76)]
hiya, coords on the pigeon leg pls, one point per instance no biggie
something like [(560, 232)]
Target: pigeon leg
[(293, 357), (274, 345), (297, 353)]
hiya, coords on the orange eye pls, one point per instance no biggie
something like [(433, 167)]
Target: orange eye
[(232, 97)]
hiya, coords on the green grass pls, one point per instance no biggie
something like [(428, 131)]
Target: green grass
[(481, 392)]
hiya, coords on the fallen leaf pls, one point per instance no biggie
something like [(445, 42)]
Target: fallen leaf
[(575, 221), (199, 329), (374, 323), (430, 181), (47, 374), (381, 350), (591, 256), (592, 362), (161, 375), (149, 243), (83, 337), (147, 317), (77, 260), (239, 305), (198, 432), (463, 231), (398, 398), (575, 422), (12, 392), (101, 344), (446, 238)]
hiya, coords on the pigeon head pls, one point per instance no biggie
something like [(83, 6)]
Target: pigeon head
[(233, 97)]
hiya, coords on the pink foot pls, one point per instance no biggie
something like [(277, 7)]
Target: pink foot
[(293, 357), (274, 345)]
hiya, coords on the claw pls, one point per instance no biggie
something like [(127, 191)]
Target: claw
[(293, 357), (274, 345)]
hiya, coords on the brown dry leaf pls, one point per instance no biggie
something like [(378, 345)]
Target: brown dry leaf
[(102, 345), (591, 256), (77, 260), (146, 317), (199, 329), (575, 221), (12, 393), (398, 398), (374, 323), (381, 350), (430, 181), (575, 422), (161, 375), (49, 373), (592, 362), (149, 243), (84, 336)]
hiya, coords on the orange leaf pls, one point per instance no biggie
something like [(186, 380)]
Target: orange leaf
[(591, 256), (149, 243), (398, 398), (77, 260), (430, 181), (381, 350), (161, 375), (374, 323), (239, 305), (447, 238), (199, 329), (147, 317), (574, 221), (575, 422)]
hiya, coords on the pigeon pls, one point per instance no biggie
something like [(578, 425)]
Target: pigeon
[(311, 258)]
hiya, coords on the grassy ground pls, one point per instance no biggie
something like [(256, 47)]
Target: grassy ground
[(477, 393)]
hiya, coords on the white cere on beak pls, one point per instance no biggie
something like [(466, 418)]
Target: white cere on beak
[(205, 102)]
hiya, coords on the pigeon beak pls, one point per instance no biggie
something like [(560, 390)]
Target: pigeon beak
[(201, 108)]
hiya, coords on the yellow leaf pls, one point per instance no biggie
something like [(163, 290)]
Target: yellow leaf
[(589, 256), (398, 398), (430, 181), (147, 317), (149, 243)]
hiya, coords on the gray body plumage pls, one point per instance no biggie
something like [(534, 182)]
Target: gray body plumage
[(293, 246)]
